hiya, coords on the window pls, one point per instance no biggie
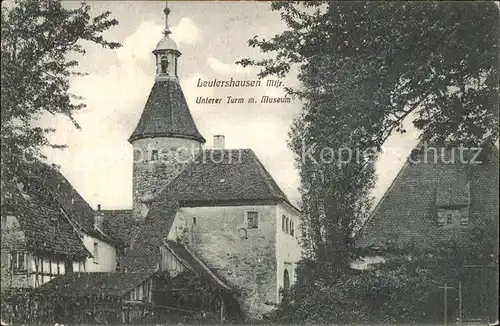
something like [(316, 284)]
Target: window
[(164, 64), (449, 217), (17, 261), (464, 220), (176, 66), (68, 266), (154, 155), (252, 220), (292, 231), (286, 224), (133, 294), (96, 252), (283, 223), (194, 220)]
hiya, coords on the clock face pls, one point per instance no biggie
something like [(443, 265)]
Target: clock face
[(242, 233)]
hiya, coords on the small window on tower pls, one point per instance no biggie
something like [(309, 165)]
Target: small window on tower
[(164, 64)]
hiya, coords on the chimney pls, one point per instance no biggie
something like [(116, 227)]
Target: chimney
[(98, 219), (219, 141)]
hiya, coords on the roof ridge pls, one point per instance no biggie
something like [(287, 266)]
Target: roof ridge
[(166, 114)]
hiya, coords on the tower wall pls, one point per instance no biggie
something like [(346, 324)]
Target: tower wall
[(152, 171)]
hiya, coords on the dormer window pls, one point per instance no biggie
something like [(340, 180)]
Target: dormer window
[(163, 64), (452, 202)]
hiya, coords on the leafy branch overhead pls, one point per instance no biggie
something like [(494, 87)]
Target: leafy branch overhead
[(37, 40)]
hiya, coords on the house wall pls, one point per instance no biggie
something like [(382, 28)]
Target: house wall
[(288, 250), (247, 263), (13, 239), (149, 177), (107, 258)]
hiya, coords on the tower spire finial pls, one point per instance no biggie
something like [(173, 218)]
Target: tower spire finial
[(166, 31)]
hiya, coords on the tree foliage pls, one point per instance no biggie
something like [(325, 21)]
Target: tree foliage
[(364, 67), (37, 39)]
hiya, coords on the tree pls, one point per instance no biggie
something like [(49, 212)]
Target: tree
[(37, 39), (364, 67)]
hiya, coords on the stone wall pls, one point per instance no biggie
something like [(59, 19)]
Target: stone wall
[(246, 263), (151, 176)]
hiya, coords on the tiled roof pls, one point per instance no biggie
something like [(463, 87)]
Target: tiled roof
[(215, 176), (406, 214), (195, 263), (224, 175), (166, 114), (93, 284), (45, 227)]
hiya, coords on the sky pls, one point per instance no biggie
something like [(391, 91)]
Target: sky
[(211, 37)]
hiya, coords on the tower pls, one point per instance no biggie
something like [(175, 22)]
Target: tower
[(165, 139)]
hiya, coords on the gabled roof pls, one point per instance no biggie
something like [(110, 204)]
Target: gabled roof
[(406, 214), (93, 284), (216, 176), (46, 228), (166, 114)]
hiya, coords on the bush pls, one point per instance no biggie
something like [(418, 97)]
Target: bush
[(398, 291)]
